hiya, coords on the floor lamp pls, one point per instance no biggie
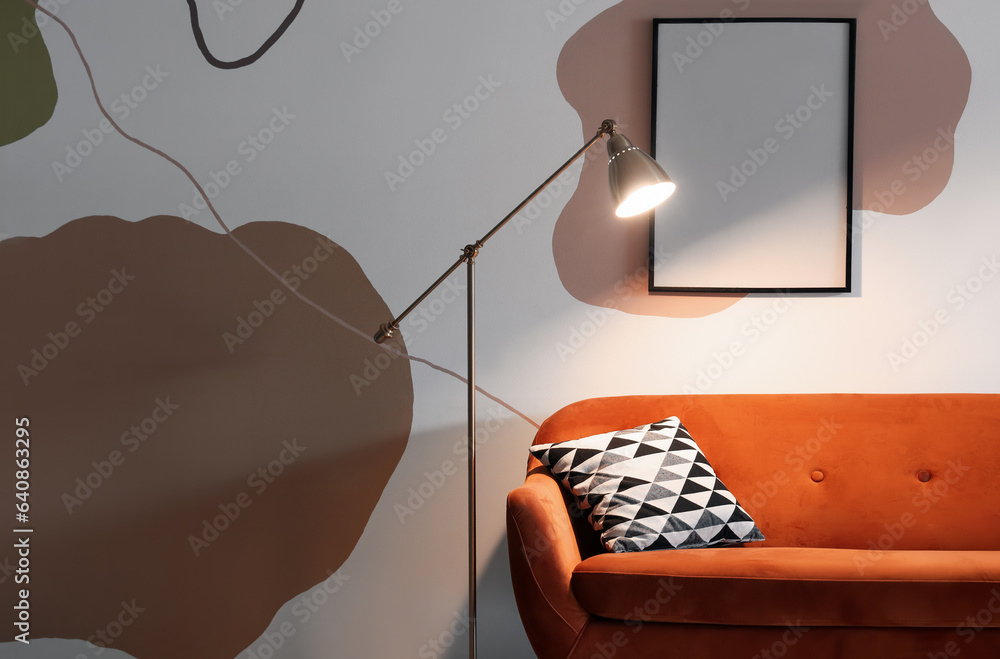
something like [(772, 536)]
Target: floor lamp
[(637, 185)]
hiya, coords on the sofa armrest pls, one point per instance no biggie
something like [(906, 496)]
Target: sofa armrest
[(543, 549)]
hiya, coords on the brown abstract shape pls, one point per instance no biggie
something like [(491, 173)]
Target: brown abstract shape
[(205, 446), (912, 85)]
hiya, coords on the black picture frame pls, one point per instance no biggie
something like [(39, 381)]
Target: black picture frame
[(753, 118)]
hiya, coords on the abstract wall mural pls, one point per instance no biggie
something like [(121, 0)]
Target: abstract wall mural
[(191, 419), (207, 208), (904, 136)]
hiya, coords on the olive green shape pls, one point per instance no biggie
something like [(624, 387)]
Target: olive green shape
[(27, 86)]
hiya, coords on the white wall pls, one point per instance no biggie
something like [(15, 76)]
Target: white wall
[(406, 580)]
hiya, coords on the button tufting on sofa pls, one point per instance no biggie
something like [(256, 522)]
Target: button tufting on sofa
[(867, 567)]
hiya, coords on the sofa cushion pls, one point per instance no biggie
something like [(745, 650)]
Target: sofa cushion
[(649, 487), (760, 585)]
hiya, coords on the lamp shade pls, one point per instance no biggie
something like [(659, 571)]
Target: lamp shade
[(637, 182)]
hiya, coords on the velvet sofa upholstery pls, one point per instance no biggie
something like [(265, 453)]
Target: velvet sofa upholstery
[(882, 521)]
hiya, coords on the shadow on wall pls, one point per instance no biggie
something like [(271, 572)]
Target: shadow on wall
[(913, 80), (497, 613), (204, 445)]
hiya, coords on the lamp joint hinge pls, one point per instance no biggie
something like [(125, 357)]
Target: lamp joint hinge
[(385, 332), (470, 252)]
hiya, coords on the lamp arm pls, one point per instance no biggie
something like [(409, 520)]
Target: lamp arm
[(386, 330), (608, 127)]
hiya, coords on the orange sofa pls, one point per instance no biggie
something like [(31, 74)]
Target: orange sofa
[(881, 514)]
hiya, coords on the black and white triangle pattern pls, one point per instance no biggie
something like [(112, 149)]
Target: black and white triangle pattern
[(649, 488)]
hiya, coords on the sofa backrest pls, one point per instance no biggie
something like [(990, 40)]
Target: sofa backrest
[(858, 471)]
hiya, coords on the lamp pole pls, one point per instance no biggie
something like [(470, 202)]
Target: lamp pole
[(469, 254)]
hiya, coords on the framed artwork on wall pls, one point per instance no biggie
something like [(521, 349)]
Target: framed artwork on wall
[(754, 121)]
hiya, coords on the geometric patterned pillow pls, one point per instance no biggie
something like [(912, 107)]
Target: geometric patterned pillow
[(649, 488)]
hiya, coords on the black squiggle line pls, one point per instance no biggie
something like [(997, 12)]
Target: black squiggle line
[(249, 59)]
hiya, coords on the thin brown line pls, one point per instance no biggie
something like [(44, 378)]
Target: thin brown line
[(218, 218)]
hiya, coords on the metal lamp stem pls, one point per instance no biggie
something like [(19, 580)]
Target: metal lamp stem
[(387, 330), (471, 352)]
